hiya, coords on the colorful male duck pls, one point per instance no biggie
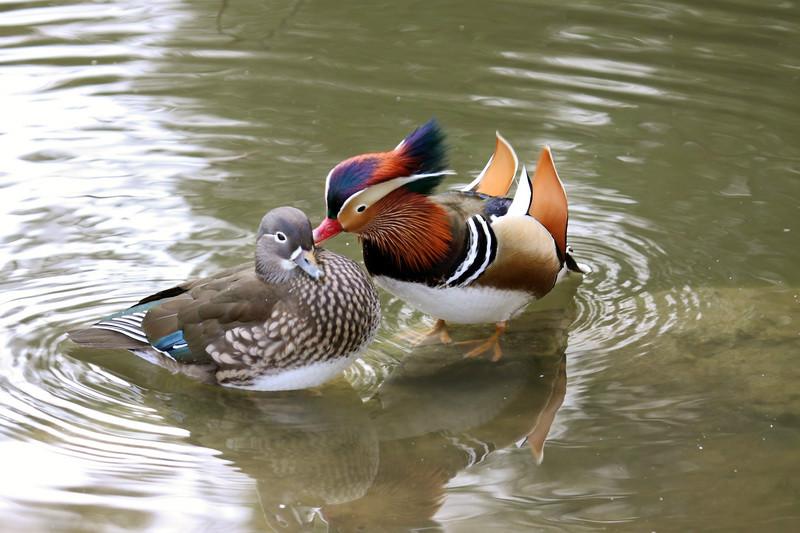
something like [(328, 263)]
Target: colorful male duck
[(464, 256), (293, 320)]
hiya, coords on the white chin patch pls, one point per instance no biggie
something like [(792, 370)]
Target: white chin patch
[(288, 265)]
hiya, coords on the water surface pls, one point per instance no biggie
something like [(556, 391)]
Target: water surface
[(141, 143)]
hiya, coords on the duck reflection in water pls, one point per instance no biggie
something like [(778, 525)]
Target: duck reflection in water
[(328, 458)]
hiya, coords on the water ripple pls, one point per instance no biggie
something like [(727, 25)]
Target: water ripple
[(139, 142)]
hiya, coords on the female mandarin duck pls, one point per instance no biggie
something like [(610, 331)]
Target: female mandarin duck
[(293, 320), (464, 256)]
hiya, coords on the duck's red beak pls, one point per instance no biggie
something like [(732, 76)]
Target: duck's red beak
[(328, 228)]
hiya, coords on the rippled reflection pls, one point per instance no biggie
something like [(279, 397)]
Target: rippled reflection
[(327, 456), (140, 144)]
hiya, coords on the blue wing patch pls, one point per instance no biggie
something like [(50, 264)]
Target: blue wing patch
[(496, 206), (173, 345), (129, 323)]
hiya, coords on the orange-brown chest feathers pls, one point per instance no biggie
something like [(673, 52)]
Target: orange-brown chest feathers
[(406, 232)]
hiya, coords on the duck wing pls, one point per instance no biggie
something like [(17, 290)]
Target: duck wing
[(180, 321)]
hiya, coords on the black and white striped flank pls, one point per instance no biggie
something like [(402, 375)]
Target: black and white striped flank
[(481, 252)]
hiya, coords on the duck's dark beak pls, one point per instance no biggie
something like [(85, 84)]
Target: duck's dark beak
[(305, 259)]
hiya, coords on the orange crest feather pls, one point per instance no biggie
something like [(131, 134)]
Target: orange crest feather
[(550, 200)]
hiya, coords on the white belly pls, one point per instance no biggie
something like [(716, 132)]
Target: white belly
[(312, 375), (461, 305)]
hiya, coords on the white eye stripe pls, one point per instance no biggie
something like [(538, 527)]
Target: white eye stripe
[(373, 193), (278, 236), (328, 185)]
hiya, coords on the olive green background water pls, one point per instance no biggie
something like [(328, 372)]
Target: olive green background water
[(141, 142)]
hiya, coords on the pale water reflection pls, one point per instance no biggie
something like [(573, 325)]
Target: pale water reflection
[(141, 143), (330, 458)]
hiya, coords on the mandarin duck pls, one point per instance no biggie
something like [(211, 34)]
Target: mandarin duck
[(468, 255), (293, 319)]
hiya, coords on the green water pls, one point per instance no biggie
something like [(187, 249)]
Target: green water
[(141, 142)]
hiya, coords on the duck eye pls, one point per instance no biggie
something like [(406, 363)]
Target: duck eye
[(280, 236), (361, 208)]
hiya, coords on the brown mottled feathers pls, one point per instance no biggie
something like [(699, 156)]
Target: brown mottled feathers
[(247, 326), (203, 307)]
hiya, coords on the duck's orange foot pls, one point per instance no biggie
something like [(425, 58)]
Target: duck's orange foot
[(438, 334), (492, 344)]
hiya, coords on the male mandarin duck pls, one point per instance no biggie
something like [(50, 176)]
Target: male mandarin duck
[(294, 319), (465, 256)]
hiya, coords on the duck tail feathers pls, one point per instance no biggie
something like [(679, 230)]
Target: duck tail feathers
[(573, 265), (97, 337)]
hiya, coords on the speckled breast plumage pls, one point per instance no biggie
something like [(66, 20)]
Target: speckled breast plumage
[(317, 321)]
